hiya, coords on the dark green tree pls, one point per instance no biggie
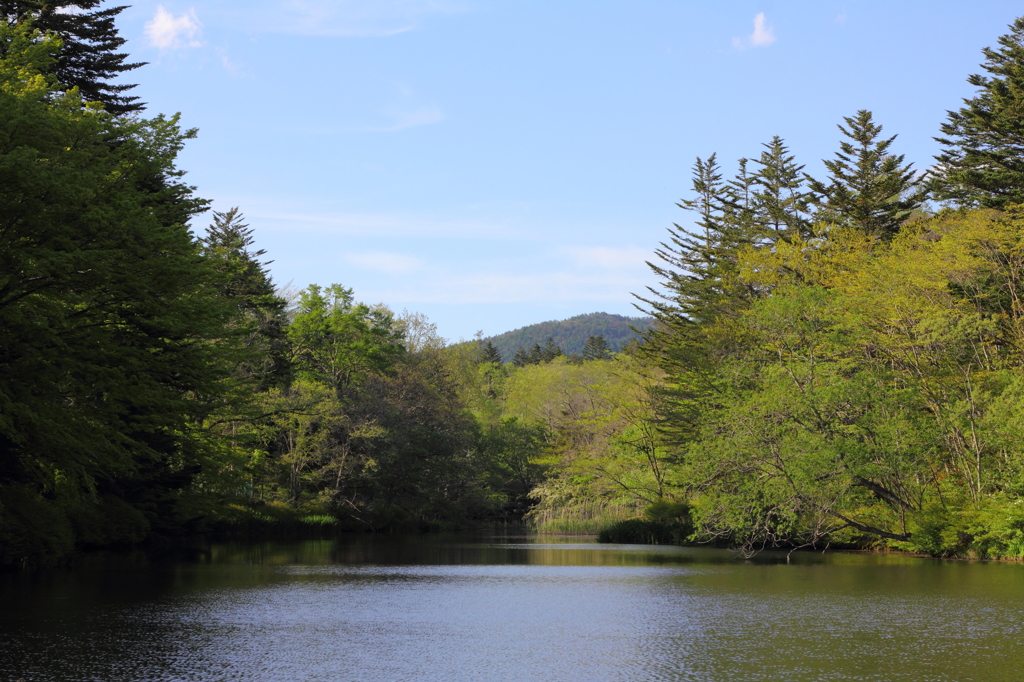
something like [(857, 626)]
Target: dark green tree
[(109, 329), (521, 358), (868, 186), (596, 348), (982, 160), (550, 351), (259, 313), (88, 57), (489, 354)]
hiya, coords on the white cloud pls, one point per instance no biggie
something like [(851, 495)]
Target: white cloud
[(166, 31), (762, 36), (387, 263), (609, 258)]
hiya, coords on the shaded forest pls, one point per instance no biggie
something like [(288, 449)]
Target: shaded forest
[(832, 361)]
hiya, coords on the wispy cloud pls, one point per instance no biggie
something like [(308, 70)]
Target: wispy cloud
[(343, 18), (166, 31), (762, 36), (387, 263), (609, 258), (372, 224), (546, 287), (229, 64), (400, 120)]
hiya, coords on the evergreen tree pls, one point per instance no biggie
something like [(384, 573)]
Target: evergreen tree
[(868, 187), (259, 313), (982, 161), (780, 201), (109, 330), (550, 351), (596, 349), (536, 355), (521, 358), (490, 354), (88, 57)]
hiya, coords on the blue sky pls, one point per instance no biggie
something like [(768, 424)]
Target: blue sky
[(494, 164)]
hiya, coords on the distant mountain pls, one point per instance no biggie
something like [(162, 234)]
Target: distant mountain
[(572, 334)]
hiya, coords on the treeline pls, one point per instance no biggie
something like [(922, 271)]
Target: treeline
[(842, 364), (833, 360), (155, 384)]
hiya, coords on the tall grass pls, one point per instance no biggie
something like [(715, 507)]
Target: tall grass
[(581, 519)]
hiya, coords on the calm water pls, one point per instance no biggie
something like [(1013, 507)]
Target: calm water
[(450, 609)]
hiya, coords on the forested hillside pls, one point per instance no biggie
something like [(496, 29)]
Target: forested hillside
[(571, 334)]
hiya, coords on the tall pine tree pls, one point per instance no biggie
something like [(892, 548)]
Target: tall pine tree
[(259, 313), (868, 186), (88, 57), (982, 160), (781, 199)]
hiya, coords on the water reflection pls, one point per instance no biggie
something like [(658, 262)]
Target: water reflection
[(502, 608)]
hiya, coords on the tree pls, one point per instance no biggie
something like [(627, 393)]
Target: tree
[(780, 202), (596, 349), (108, 324), (550, 351), (868, 187), (337, 341), (490, 354), (982, 160), (87, 59), (258, 312), (521, 358)]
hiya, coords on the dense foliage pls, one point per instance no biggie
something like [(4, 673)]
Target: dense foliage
[(827, 361)]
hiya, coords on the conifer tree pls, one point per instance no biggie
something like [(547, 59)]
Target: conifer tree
[(246, 283), (781, 201), (521, 357), (536, 355), (596, 348), (982, 161), (490, 354), (88, 58), (868, 186), (550, 351)]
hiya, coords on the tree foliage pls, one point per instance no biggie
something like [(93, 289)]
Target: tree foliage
[(982, 160), (87, 58), (868, 186)]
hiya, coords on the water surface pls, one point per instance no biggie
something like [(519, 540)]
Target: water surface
[(425, 608)]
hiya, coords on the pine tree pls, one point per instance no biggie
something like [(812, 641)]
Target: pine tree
[(781, 202), (88, 58), (490, 354), (550, 351), (596, 348), (521, 358), (982, 161), (246, 283), (868, 187), (536, 355)]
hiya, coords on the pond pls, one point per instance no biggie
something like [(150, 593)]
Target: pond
[(424, 608)]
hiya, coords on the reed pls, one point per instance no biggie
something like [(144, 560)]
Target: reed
[(581, 519)]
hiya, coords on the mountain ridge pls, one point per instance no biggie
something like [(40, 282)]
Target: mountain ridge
[(571, 333)]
